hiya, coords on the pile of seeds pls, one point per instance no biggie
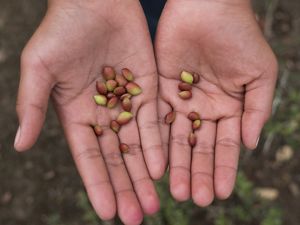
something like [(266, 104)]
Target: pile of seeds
[(114, 89), (185, 87)]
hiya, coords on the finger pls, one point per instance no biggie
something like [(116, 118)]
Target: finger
[(203, 164), (33, 95), (151, 140), (135, 164), (89, 161), (129, 209), (180, 158), (227, 151), (258, 108), (163, 110)]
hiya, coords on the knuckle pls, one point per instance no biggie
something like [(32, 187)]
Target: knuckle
[(114, 159), (181, 140), (88, 154), (228, 143), (204, 148)]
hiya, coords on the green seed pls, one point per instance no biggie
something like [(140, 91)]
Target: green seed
[(187, 77), (111, 85), (124, 117), (133, 88), (196, 124), (100, 100), (127, 74)]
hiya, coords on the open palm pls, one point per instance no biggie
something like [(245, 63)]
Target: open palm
[(64, 59), (219, 40)]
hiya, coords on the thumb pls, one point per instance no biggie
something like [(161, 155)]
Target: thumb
[(258, 107), (33, 95)]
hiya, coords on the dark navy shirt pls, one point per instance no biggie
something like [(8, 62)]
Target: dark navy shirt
[(153, 9)]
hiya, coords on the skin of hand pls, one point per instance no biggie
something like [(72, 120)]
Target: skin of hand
[(63, 59), (221, 41)]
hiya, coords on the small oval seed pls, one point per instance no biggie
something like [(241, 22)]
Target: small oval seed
[(194, 116), (170, 117)]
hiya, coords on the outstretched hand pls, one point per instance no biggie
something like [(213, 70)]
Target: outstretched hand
[(221, 41), (64, 59)]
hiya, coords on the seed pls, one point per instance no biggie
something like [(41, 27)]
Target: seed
[(194, 116), (100, 100), (121, 80), (184, 86), (119, 91), (196, 78), (101, 88), (192, 139), (126, 95), (98, 130), (187, 77), (111, 85), (126, 104), (196, 124), (124, 118), (109, 73), (127, 74), (133, 88), (112, 102), (114, 126), (124, 148), (170, 117), (110, 95), (185, 94)]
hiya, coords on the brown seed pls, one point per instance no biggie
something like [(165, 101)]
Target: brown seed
[(126, 104), (109, 73), (196, 78), (196, 124), (124, 118), (121, 80), (194, 116), (112, 102), (184, 86), (98, 130), (170, 117), (127, 74), (119, 91), (192, 139), (185, 95), (101, 88), (110, 95), (133, 88), (126, 95), (114, 126), (111, 85), (124, 148)]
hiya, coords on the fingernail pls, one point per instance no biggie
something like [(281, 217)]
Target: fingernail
[(257, 141), (17, 138)]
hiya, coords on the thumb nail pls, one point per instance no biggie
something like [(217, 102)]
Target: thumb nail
[(257, 141), (17, 138)]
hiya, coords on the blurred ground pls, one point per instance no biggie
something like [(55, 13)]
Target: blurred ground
[(42, 187)]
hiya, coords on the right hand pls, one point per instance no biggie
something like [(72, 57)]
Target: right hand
[(63, 59)]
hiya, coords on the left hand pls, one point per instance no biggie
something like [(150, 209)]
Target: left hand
[(221, 41)]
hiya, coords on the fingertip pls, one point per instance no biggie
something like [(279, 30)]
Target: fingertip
[(157, 171), (131, 215), (153, 204), (224, 183), (203, 192), (180, 192)]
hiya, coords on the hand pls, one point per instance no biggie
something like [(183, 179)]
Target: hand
[(64, 59), (221, 41)]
